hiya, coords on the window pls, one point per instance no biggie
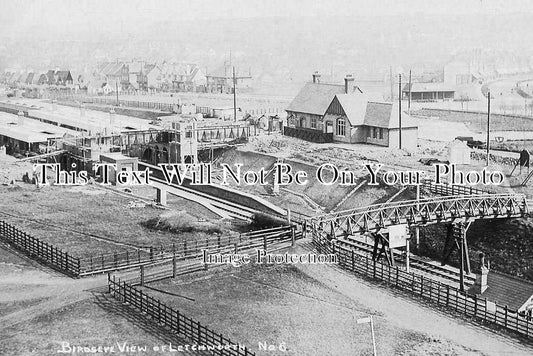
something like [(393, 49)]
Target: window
[(313, 122), (374, 132), (302, 122), (381, 134), (341, 127)]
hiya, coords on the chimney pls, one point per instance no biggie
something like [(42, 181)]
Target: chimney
[(20, 118), (349, 78), (82, 109), (54, 105), (480, 285), (316, 77)]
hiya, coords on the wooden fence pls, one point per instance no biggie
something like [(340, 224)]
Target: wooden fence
[(42, 251), (430, 290), (134, 103), (185, 250), (452, 189), (182, 250), (189, 329), (170, 269)]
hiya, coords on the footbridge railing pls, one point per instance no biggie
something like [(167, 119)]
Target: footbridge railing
[(419, 212), (452, 189)]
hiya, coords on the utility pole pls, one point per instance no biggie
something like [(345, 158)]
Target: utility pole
[(409, 103), (116, 89), (400, 111), (391, 85), (234, 98), (488, 129)]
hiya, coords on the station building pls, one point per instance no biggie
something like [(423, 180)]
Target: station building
[(344, 114)]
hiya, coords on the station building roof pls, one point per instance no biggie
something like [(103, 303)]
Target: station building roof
[(30, 131)]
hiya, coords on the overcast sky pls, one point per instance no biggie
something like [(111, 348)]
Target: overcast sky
[(34, 32), (57, 12)]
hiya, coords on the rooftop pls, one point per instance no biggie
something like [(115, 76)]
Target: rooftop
[(428, 87), (361, 111), (314, 98), (30, 131), (93, 121), (507, 290)]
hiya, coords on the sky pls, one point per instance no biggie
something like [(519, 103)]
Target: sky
[(34, 31), (54, 13)]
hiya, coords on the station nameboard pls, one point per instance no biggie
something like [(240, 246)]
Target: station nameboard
[(398, 235)]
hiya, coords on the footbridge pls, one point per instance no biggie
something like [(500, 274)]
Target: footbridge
[(456, 211)]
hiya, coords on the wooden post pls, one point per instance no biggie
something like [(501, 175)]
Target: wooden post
[(293, 235), (174, 266), (142, 275), (506, 315)]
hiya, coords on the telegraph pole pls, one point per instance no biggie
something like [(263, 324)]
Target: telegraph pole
[(488, 129), (116, 89), (400, 111), (391, 85), (234, 98), (409, 103)]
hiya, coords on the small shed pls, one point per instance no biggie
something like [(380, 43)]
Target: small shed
[(459, 152), (124, 163)]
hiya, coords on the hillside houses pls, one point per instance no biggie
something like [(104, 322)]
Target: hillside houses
[(131, 76), (22, 79), (187, 77)]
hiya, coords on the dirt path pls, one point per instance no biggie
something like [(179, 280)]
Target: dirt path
[(399, 310), (55, 293)]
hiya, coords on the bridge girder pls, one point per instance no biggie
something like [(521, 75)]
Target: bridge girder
[(422, 212)]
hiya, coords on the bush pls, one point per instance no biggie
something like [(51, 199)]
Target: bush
[(264, 221), (178, 222)]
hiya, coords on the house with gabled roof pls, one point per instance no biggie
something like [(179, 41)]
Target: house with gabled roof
[(114, 72), (221, 79), (336, 113), (64, 77)]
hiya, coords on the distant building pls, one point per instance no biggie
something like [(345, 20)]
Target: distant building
[(63, 77), (185, 77), (144, 76), (429, 91), (461, 73), (221, 80), (114, 74)]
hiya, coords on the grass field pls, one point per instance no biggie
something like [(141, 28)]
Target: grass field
[(92, 322), (280, 305), (89, 220)]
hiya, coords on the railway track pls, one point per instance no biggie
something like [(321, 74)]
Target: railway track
[(364, 249)]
